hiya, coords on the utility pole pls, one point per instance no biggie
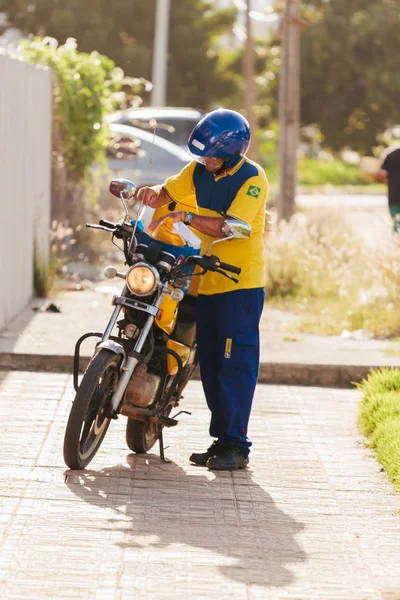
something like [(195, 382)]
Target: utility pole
[(249, 96), (160, 54), (289, 109)]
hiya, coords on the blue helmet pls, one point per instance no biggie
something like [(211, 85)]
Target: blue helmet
[(220, 134)]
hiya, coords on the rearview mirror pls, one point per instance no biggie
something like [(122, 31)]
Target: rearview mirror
[(237, 229), (123, 188), (233, 229)]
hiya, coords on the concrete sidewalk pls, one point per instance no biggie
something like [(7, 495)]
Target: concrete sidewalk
[(313, 518), (45, 341)]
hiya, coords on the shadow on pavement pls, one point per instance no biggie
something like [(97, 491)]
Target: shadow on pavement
[(233, 522)]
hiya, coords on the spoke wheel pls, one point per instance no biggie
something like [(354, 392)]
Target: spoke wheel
[(89, 419)]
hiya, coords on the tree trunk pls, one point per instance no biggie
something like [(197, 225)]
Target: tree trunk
[(249, 97), (289, 109)]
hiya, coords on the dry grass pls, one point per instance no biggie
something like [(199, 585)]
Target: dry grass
[(43, 273), (46, 268), (318, 267)]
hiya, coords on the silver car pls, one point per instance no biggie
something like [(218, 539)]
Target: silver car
[(142, 157), (172, 124)]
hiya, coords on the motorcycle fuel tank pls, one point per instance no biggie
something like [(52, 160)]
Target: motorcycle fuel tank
[(167, 315)]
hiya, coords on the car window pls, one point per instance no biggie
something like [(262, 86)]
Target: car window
[(173, 130), (121, 147)]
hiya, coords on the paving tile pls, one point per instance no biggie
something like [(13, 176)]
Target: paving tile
[(313, 517)]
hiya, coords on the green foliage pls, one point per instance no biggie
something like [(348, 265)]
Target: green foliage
[(380, 418), (350, 60), (195, 77), (267, 63), (316, 172), (267, 69), (84, 89), (351, 70), (125, 31), (310, 171), (267, 139)]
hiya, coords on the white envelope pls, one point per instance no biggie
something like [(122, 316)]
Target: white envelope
[(188, 235)]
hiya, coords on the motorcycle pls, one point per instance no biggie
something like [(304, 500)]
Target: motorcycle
[(142, 370)]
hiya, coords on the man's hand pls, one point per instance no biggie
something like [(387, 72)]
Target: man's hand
[(381, 176), (177, 216), (149, 195)]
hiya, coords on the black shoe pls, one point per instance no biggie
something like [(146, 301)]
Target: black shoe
[(230, 458), (201, 459)]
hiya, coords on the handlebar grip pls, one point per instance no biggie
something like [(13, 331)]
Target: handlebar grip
[(93, 226), (230, 268), (108, 224), (198, 260)]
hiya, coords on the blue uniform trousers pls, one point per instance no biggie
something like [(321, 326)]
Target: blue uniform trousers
[(229, 356)]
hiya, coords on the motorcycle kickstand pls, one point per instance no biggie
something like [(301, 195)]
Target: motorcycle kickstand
[(161, 443)]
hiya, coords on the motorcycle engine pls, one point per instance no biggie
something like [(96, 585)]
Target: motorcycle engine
[(142, 388)]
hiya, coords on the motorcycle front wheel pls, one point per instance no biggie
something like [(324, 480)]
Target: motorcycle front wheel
[(88, 421)]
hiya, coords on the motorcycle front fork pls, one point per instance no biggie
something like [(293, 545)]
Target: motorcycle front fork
[(131, 361), (130, 365)]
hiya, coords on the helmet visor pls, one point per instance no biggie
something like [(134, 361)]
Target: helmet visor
[(215, 162), (197, 158)]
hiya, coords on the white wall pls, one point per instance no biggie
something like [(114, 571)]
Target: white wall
[(25, 170)]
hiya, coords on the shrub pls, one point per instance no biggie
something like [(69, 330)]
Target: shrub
[(379, 418), (86, 88), (312, 171), (83, 92)]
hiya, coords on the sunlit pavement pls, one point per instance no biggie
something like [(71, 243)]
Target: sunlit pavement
[(313, 517), (367, 214), (364, 201)]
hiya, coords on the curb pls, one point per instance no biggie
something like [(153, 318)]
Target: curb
[(314, 375), (343, 376), (47, 363)]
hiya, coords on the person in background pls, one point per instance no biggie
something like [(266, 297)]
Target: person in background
[(220, 184), (390, 174)]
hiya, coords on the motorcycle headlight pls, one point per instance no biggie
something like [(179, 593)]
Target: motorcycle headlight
[(142, 279)]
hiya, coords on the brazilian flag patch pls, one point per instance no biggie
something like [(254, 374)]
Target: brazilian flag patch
[(253, 191)]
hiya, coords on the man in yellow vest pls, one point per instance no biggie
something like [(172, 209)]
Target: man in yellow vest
[(220, 184)]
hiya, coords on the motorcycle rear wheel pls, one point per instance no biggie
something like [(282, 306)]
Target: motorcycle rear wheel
[(141, 435), (88, 421)]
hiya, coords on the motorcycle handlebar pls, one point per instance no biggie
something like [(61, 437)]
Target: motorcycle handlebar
[(108, 224), (230, 268), (93, 226), (212, 263), (120, 231)]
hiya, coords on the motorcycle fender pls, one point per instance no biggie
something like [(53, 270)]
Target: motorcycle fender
[(113, 347), (182, 350)]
